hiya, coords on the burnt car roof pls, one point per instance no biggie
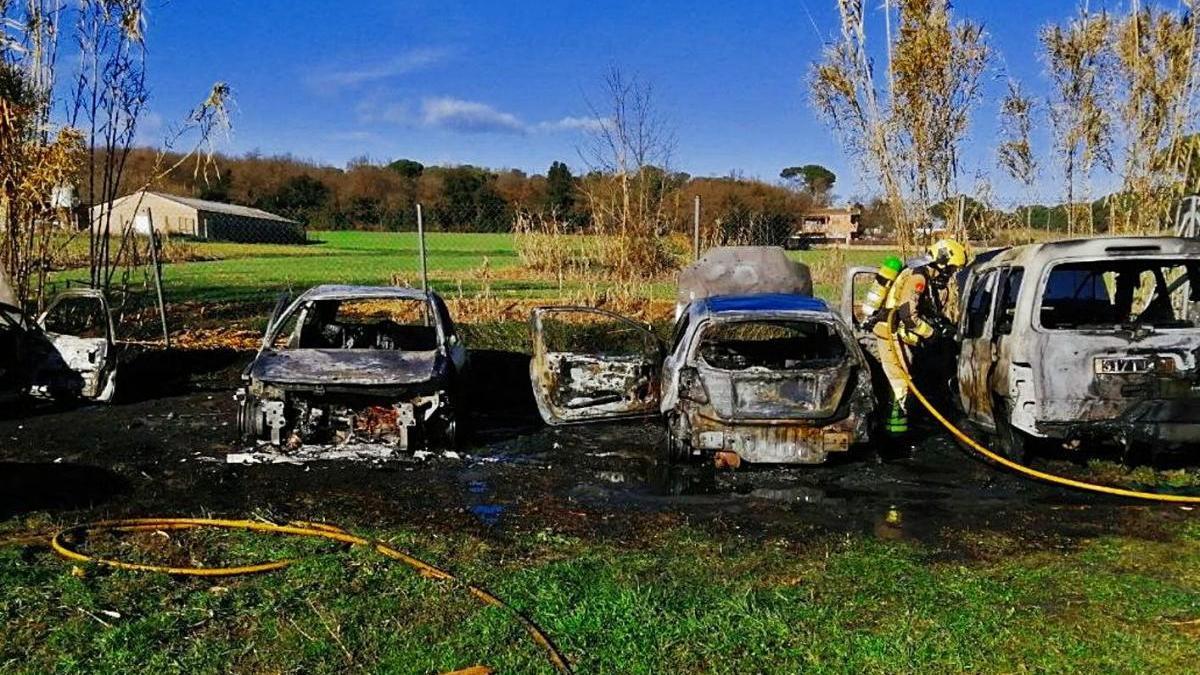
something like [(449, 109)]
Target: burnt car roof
[(764, 302), (346, 292), (1038, 255)]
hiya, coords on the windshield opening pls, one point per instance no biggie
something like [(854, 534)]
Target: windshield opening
[(774, 345), (1151, 293), (397, 324)]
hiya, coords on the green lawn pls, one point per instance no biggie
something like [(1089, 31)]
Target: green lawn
[(258, 272), (683, 601)]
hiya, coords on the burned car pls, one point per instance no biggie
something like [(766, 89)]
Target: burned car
[(1085, 340), (343, 363), (67, 354), (771, 377)]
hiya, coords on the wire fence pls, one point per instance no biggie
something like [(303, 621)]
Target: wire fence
[(493, 254)]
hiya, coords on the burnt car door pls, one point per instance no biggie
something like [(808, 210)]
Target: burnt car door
[(78, 357), (591, 364), (14, 338), (977, 353)]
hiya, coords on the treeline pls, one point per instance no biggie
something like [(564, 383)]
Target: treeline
[(375, 196)]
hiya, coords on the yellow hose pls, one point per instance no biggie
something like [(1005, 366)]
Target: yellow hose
[(1021, 468), (301, 529)]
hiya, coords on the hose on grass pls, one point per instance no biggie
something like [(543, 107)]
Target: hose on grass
[(300, 529), (978, 447)]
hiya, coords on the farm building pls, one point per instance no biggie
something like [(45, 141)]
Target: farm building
[(831, 223), (175, 215)]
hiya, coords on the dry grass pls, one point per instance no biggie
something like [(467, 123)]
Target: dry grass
[(545, 245)]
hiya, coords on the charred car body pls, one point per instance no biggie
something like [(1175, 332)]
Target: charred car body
[(1084, 340), (342, 363), (753, 368), (68, 353)]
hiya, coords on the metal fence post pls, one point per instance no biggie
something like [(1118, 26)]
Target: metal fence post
[(421, 246), (158, 286), (696, 228)]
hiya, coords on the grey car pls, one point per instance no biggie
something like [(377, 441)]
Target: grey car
[(342, 363), (1079, 341), (772, 376)]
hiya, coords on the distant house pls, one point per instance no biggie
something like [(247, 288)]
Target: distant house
[(175, 215), (831, 223)]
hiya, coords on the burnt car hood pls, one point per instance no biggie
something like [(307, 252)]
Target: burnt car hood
[(345, 367)]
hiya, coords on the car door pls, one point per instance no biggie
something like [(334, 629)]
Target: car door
[(14, 352), (591, 364), (79, 358), (976, 353)]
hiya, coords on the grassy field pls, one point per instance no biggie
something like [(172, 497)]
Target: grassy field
[(259, 272), (681, 602)]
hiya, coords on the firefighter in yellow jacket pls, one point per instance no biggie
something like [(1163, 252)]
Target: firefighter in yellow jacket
[(919, 297)]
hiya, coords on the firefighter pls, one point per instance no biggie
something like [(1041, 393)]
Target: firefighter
[(919, 296)]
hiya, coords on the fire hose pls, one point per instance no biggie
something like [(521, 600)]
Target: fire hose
[(300, 529), (1008, 463)]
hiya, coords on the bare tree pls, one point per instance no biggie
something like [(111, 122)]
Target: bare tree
[(844, 91), (1015, 153), (109, 95), (1076, 56), (937, 65), (910, 140), (1156, 60), (629, 154)]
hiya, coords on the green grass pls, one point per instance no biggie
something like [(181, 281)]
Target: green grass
[(682, 602), (259, 272)]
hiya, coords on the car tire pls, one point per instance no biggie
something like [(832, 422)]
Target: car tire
[(248, 426), (452, 435), (676, 449), (1012, 443)]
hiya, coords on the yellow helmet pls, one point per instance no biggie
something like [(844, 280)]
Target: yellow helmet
[(947, 253)]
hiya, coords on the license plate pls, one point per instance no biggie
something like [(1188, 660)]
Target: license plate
[(1125, 365)]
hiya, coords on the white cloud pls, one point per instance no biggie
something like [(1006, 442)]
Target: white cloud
[(333, 79), (464, 116), (588, 124), (468, 116)]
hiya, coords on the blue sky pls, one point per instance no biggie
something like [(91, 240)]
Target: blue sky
[(505, 84)]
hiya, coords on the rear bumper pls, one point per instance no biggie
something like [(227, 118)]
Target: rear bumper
[(1149, 432), (777, 442)]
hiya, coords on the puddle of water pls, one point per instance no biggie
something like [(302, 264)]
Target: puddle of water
[(488, 514)]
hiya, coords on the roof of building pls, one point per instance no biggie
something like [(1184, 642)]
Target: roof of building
[(833, 211), (213, 207), (765, 302)]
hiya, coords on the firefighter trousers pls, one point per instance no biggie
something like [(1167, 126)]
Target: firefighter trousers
[(890, 354)]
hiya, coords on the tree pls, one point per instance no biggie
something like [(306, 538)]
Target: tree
[(299, 198), (218, 190), (629, 154), (560, 191), (814, 178), (910, 140), (1076, 58), (1015, 154), (407, 168)]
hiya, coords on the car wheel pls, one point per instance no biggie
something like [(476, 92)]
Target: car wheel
[(677, 450), (1012, 443), (248, 420), (451, 433)]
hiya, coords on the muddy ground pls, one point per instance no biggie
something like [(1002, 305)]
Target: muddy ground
[(161, 452)]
